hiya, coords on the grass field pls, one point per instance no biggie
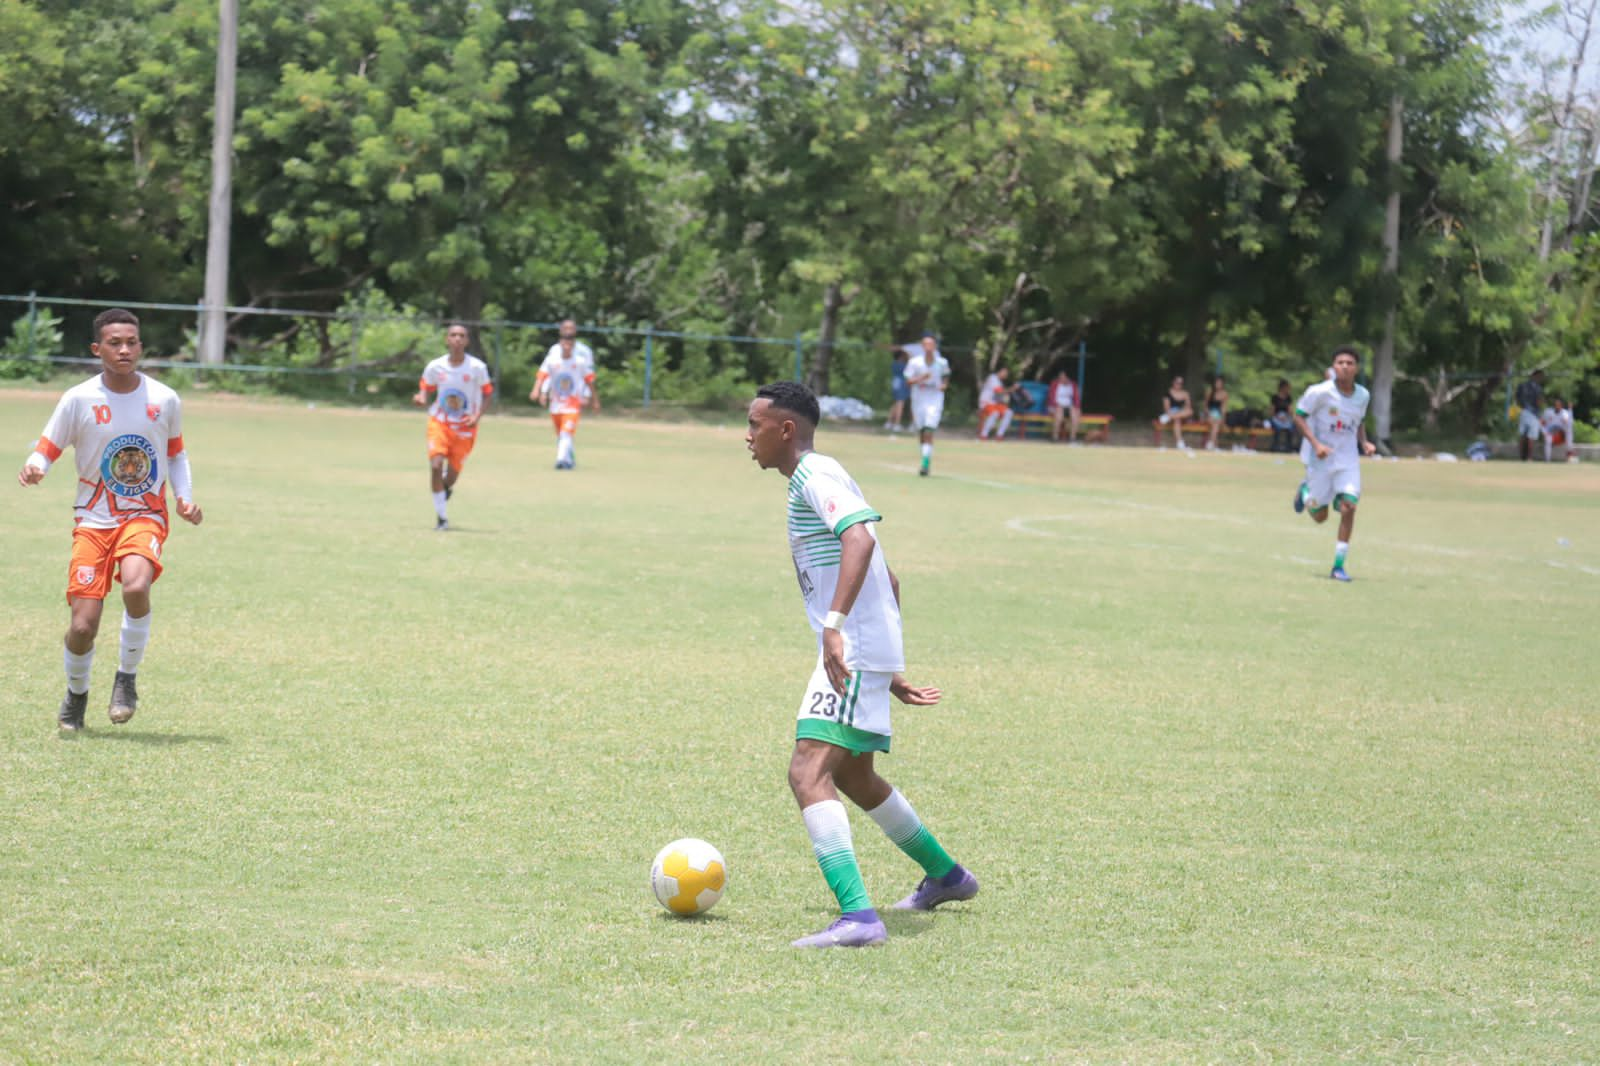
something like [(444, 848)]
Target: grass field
[(392, 796)]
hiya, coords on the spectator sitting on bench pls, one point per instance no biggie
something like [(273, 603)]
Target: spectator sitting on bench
[(1216, 409), (1064, 405), (994, 403), (1283, 418), (1175, 408)]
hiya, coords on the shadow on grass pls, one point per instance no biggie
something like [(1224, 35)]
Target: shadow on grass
[(690, 919), (153, 740)]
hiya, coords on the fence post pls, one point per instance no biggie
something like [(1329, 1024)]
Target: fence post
[(199, 332), (355, 351), (1083, 359), (499, 382), (649, 358), (33, 321), (799, 357)]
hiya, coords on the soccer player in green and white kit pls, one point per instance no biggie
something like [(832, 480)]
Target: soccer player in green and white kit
[(1332, 417), (853, 604)]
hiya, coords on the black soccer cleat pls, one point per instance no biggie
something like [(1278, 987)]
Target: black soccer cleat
[(70, 716), (124, 698), (441, 525)]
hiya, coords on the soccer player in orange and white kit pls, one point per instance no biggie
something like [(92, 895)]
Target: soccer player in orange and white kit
[(462, 383), (565, 379), (127, 434)]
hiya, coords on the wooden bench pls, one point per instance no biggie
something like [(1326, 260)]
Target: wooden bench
[(1091, 428), (1249, 436)]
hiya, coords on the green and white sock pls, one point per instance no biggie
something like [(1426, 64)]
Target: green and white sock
[(829, 829), (1305, 492), (901, 825), (1341, 548)]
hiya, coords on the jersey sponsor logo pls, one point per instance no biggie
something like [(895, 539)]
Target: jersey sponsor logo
[(154, 411), (129, 467), (806, 586), (453, 402), (832, 507), (564, 384), (85, 575)]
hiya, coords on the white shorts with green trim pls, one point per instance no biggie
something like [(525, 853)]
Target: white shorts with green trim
[(927, 413), (857, 720), (1329, 479)]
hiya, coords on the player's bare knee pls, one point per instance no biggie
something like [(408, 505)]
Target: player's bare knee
[(1320, 516), (83, 628)]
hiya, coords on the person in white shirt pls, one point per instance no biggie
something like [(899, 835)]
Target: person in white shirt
[(1332, 416), (126, 431), (994, 404), (566, 379), (1064, 406), (928, 374), (852, 602), (1557, 424), (453, 388)]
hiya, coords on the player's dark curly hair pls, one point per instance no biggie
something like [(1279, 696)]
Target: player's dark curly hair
[(1346, 349), (794, 397), (117, 316)]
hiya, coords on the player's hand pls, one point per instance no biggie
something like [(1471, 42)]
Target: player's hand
[(189, 511), (420, 399), (1323, 451), (916, 696), (469, 421), (833, 660), (29, 475), (594, 403), (1369, 449)]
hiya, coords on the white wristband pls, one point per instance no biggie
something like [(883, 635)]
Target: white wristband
[(38, 460), (833, 620)]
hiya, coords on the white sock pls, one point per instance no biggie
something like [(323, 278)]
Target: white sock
[(988, 424), (564, 448), (438, 505), (896, 818), (1005, 422), (77, 669), (927, 451), (135, 635)]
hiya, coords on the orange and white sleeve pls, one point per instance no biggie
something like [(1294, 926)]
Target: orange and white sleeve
[(56, 436)]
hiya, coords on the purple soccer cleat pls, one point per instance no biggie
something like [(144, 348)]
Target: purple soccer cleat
[(957, 885), (844, 933)]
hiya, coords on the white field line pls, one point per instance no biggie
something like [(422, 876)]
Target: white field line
[(1212, 516)]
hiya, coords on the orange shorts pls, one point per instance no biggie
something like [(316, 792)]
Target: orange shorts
[(96, 554), (454, 444), (565, 421), (992, 409)]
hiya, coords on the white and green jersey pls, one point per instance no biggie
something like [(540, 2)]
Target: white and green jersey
[(1335, 418), (824, 502)]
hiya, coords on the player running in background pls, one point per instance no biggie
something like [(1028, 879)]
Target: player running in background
[(928, 374), (126, 431), (1331, 415), (565, 379), (853, 604), (994, 404), (455, 384)]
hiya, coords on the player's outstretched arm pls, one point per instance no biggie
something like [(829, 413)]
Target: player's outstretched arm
[(914, 695), (421, 398), (29, 475), (1367, 447)]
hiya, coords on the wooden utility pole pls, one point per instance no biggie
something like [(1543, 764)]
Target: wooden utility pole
[(213, 333)]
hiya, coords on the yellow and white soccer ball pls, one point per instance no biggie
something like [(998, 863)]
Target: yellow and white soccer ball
[(688, 876)]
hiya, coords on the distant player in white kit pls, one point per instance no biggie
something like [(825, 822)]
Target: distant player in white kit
[(853, 604), (1331, 416), (566, 379), (127, 434), (928, 374)]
